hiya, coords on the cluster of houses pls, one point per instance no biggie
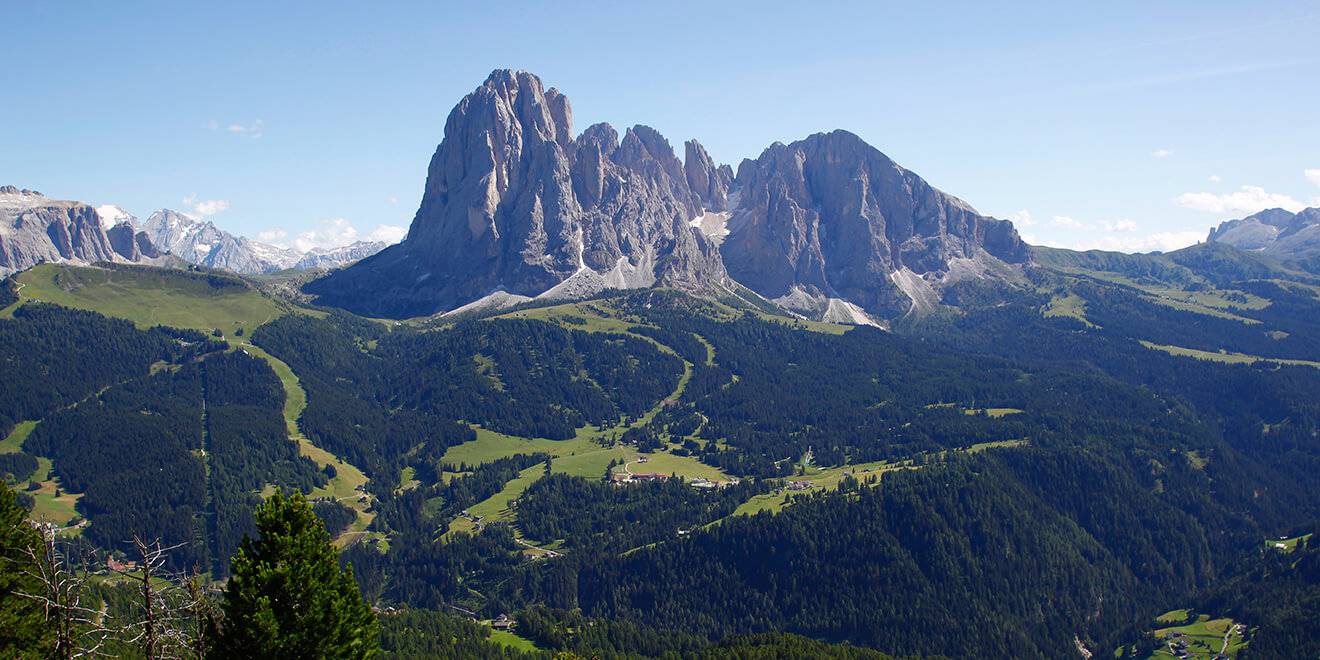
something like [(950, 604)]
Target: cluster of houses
[(121, 566), (630, 477), (626, 477), (476, 520), (699, 483), (1178, 644)]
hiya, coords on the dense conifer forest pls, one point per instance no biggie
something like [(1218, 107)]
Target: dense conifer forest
[(1054, 482)]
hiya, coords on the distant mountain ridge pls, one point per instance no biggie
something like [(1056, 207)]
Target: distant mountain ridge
[(517, 207), (36, 229), (200, 242), (1284, 235)]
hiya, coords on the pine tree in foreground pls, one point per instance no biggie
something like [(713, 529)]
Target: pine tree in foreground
[(287, 597), (23, 630)]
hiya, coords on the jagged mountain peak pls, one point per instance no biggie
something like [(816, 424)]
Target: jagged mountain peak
[(514, 202), (710, 182), (15, 190)]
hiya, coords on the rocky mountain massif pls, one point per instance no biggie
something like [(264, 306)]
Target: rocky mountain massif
[(36, 229), (1284, 235), (517, 207)]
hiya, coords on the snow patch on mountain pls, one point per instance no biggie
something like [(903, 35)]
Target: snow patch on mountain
[(112, 215)]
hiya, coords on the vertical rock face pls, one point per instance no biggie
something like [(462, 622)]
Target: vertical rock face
[(36, 229), (514, 203), (123, 240), (830, 220), (709, 182)]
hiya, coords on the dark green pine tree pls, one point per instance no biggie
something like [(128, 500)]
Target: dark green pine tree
[(23, 630), (287, 597)]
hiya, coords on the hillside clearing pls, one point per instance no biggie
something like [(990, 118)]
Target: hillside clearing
[(51, 502), (1069, 305), (151, 296), (348, 484), (1226, 357), (1203, 638)]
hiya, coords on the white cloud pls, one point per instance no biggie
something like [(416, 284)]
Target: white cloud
[(210, 207), (1162, 153), (1313, 176), (1249, 199), (329, 234), (205, 207), (388, 233), (1164, 241), (1065, 221), (1215, 178), (338, 232), (252, 129), (1022, 219), (1120, 226), (272, 235)]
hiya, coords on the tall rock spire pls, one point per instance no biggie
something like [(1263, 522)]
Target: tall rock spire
[(513, 203)]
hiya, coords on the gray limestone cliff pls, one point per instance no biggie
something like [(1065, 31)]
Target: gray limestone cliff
[(516, 205), (830, 226), (36, 229)]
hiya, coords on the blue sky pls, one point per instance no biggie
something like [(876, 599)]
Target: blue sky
[(1125, 125)]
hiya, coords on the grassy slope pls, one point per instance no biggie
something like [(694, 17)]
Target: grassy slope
[(347, 478), (1204, 636), (820, 479), (1286, 545), (14, 443), (50, 507), (1225, 356), (1209, 300), (1070, 305), (512, 640), (829, 478), (149, 297), (580, 456)]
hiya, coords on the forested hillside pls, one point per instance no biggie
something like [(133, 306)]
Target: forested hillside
[(174, 444), (376, 396), (655, 474)]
